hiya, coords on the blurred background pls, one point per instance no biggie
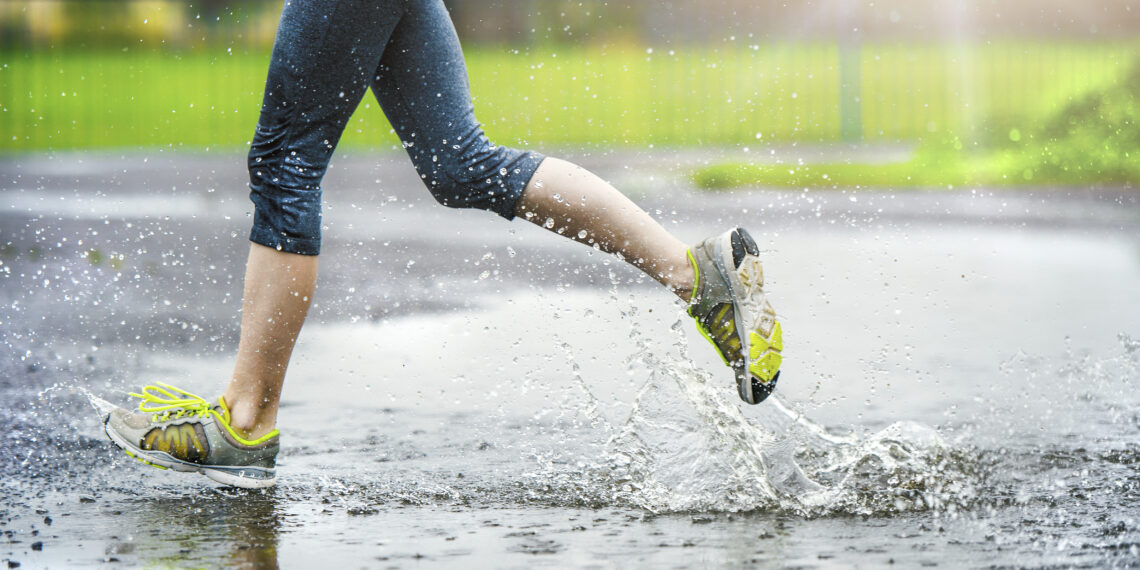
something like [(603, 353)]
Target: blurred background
[(988, 91)]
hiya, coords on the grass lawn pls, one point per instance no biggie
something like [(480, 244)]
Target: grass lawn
[(1094, 139), (927, 169)]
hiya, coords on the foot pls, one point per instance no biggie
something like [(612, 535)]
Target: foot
[(732, 312), (181, 431)]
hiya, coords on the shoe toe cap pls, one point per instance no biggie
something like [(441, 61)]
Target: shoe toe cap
[(124, 420), (754, 391)]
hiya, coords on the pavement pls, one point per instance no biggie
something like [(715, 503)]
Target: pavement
[(467, 386)]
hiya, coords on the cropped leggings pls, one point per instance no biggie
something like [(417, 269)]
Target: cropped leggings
[(326, 55)]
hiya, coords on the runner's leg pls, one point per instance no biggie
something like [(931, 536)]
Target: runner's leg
[(278, 290), (574, 202), (423, 88), (324, 57)]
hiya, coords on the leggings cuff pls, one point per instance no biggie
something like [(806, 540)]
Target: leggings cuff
[(516, 185), (267, 237)]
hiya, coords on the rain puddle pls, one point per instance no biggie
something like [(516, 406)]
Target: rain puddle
[(657, 466)]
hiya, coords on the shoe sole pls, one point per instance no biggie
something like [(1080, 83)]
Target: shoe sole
[(232, 476), (752, 269)]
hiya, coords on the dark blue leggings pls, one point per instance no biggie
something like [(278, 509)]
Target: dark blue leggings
[(327, 53)]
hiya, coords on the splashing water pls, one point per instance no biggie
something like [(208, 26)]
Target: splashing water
[(685, 447), (102, 407)]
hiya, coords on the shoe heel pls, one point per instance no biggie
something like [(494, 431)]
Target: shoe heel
[(742, 246)]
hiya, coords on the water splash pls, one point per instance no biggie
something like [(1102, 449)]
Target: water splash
[(102, 407), (685, 447), (905, 467), (690, 450)]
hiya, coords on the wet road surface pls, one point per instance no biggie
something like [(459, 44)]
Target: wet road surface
[(959, 389)]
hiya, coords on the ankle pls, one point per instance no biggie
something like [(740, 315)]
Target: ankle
[(251, 418), (683, 293), (682, 280)]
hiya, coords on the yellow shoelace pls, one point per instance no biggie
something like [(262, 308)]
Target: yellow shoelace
[(171, 401)]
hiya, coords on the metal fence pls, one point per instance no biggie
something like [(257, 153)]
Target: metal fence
[(157, 73)]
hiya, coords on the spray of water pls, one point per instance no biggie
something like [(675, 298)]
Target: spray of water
[(686, 447), (683, 445)]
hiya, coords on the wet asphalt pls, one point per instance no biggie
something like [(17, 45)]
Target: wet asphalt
[(439, 411)]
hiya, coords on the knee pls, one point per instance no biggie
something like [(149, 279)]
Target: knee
[(454, 177), (285, 188), (476, 174), (279, 157)]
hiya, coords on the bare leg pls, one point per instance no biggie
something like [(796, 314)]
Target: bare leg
[(278, 290), (574, 202)]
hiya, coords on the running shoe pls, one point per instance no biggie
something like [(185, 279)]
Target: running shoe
[(177, 430), (732, 312)]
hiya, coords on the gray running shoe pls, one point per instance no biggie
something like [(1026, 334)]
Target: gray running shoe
[(181, 431), (732, 312)]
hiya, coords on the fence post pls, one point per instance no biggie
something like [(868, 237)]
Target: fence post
[(850, 92)]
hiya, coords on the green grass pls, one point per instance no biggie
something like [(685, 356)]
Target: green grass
[(928, 168), (1094, 139), (208, 97)]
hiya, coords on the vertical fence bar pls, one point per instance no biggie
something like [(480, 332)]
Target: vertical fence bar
[(850, 91)]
